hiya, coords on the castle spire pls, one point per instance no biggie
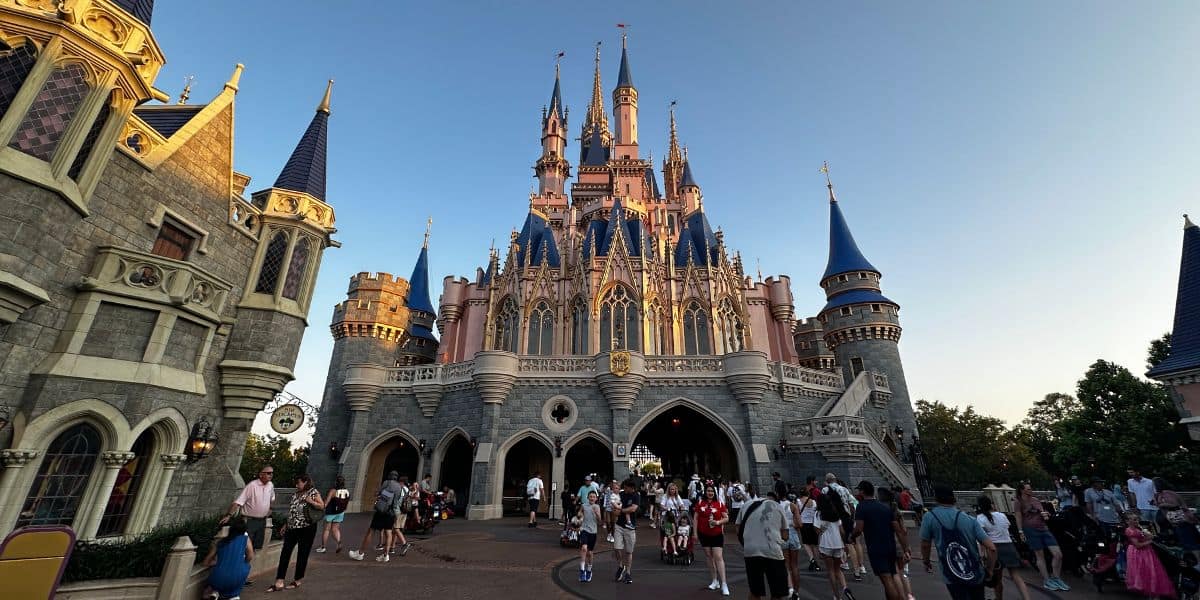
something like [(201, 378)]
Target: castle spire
[(673, 153), (418, 291), (556, 104), (596, 121), (624, 77), (305, 169), (844, 255), (625, 107)]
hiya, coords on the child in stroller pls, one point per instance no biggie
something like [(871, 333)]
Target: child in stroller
[(569, 538), (668, 534)]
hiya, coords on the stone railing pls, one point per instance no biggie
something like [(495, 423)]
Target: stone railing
[(819, 430), (685, 364), (557, 364), (157, 279), (846, 438)]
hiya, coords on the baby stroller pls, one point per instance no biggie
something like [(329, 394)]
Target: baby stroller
[(1180, 567), (569, 538), (1102, 549), (682, 556)]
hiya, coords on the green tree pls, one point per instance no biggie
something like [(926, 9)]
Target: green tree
[(967, 450), (1043, 428), (1159, 350), (275, 450)]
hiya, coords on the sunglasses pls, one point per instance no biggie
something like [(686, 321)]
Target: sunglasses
[(266, 472)]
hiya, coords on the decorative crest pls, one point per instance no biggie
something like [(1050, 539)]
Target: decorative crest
[(619, 362)]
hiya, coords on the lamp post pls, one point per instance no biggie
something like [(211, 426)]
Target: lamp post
[(202, 441)]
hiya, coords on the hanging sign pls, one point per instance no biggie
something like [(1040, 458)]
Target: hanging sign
[(287, 418)]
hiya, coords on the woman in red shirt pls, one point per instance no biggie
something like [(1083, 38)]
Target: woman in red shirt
[(710, 518)]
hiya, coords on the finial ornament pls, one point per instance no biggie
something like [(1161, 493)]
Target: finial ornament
[(1187, 222), (758, 265), (828, 182), (187, 89), (324, 106), (428, 227), (235, 77)]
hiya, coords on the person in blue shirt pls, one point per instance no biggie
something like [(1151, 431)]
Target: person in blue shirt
[(945, 516)]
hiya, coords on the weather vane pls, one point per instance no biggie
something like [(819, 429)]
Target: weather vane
[(187, 89)]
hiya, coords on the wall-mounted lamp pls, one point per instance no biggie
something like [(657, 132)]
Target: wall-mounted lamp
[(202, 441), (334, 451)]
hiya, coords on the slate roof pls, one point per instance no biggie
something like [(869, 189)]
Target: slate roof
[(1185, 337), (596, 154), (686, 178), (167, 119), (624, 77), (418, 291), (556, 103), (857, 297), (844, 255), (605, 232), (305, 169), (419, 330), (698, 241), (537, 240), (141, 10), (652, 182)]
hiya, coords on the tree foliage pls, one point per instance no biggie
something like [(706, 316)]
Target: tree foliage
[(1159, 350), (275, 450), (967, 450)]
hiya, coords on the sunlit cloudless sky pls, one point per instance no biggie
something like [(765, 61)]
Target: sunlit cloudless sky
[(1016, 170)]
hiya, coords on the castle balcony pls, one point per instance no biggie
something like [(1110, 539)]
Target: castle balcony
[(842, 438), (159, 280)]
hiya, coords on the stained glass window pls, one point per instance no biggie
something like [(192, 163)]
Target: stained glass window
[(15, 65), (541, 330), (296, 270), (268, 276), (695, 330), (89, 141), (507, 326), (579, 326), (51, 112), (62, 479), (730, 335), (620, 323), (125, 490)]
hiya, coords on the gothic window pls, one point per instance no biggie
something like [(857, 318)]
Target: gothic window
[(846, 312), (541, 330), (730, 328), (125, 490), (51, 112), (620, 323), (89, 141), (297, 267), (507, 326), (657, 324), (579, 326), (272, 265), (15, 65), (695, 330), (62, 479), (856, 365), (173, 241)]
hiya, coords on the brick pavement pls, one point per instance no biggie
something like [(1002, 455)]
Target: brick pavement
[(505, 559)]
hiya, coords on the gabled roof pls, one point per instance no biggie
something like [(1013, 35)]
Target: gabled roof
[(418, 291), (537, 241), (633, 233), (844, 255), (1185, 337), (596, 153), (167, 119), (141, 10), (624, 77), (686, 179), (697, 241)]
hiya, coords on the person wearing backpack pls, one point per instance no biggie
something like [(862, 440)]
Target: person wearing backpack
[(533, 493), (387, 506), (958, 538), (335, 513)]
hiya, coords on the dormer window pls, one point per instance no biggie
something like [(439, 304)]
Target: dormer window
[(846, 312), (862, 275), (876, 308), (843, 278)]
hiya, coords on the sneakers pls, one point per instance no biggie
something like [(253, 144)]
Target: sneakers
[(582, 576), (812, 565), (845, 566), (628, 578), (379, 547), (858, 577), (724, 590), (320, 550), (383, 557), (620, 572), (652, 525), (610, 538), (714, 585), (847, 595), (1062, 585), (404, 548), (1056, 583), (630, 526), (356, 555), (532, 525), (587, 576)]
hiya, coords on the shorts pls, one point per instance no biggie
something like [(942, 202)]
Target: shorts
[(401, 519), (775, 572), (533, 504), (793, 541), (833, 552), (338, 518), (1006, 555), (847, 529), (587, 539), (1039, 539), (382, 521), (624, 539), (809, 534), (883, 563), (711, 541)]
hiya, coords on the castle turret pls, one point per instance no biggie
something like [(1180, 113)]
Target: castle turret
[(552, 167), (673, 162), (419, 346), (860, 325), (625, 108), (1181, 366), (296, 227), (595, 124), (689, 190)]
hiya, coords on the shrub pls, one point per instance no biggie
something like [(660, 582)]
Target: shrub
[(140, 556)]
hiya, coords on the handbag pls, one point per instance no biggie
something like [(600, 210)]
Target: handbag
[(310, 514)]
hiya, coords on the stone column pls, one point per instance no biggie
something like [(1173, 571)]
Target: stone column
[(12, 490), (747, 375), (176, 573), (169, 463), (621, 383), (495, 376), (362, 388), (113, 461)]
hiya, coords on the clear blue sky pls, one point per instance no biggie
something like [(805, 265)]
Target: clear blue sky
[(1016, 170)]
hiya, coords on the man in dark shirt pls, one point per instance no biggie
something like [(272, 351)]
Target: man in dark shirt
[(874, 521), (625, 530), (781, 488)]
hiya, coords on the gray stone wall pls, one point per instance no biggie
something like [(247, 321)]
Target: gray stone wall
[(184, 345), (265, 336), (120, 332)]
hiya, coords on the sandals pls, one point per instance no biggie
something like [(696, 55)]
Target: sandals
[(291, 586), (274, 588)]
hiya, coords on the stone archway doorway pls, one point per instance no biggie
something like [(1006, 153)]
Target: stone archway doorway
[(523, 459), (397, 453), (455, 471), (588, 456), (688, 442)]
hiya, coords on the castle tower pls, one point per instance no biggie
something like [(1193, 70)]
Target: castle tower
[(595, 123), (419, 346), (861, 326), (552, 168), (673, 162), (625, 108), (689, 190), (296, 228)]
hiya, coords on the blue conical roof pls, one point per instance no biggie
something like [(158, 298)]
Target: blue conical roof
[(624, 77), (1185, 337), (556, 103), (698, 241), (141, 10), (652, 182), (686, 179), (418, 291), (844, 255), (305, 169), (537, 241), (597, 153)]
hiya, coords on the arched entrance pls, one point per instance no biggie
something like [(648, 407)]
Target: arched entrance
[(455, 470), (396, 453), (523, 459), (587, 456), (686, 441)]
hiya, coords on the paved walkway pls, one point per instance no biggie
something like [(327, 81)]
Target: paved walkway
[(504, 559)]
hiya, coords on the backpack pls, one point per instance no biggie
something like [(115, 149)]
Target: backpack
[(531, 488), (384, 504), (959, 565), (745, 518), (337, 502), (406, 503), (738, 494)]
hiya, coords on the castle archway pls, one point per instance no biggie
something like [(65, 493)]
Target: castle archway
[(588, 455), (524, 457), (454, 469), (393, 451), (687, 441)]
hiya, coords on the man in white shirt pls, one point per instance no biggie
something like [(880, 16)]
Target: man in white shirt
[(534, 492), (763, 531), (255, 505), (1143, 492)]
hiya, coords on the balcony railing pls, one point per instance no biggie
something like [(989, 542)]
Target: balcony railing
[(158, 279)]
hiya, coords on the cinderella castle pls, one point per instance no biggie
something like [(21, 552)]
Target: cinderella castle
[(616, 327)]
